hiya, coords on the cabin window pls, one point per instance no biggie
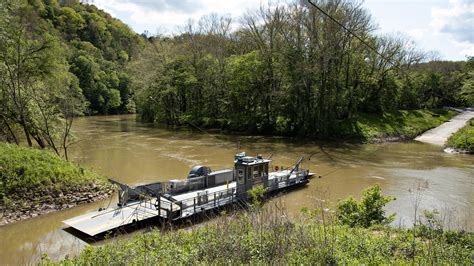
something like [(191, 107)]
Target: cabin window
[(256, 173), (240, 176)]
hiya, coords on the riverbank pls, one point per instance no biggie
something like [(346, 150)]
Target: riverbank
[(391, 126), (363, 128), (439, 135), (268, 236), (463, 140), (35, 182)]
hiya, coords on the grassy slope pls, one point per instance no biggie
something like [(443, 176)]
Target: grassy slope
[(270, 238), (463, 139), (397, 125), (40, 175)]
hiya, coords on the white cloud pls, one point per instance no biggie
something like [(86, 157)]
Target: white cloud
[(417, 33), (464, 48), (167, 15), (469, 51), (457, 20), (447, 28), (456, 23)]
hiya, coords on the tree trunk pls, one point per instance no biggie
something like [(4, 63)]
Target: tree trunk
[(27, 133), (15, 139)]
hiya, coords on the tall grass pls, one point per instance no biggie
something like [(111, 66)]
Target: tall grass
[(267, 236), (35, 176), (403, 124)]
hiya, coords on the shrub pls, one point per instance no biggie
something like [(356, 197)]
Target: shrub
[(463, 139), (270, 237), (368, 211), (257, 194)]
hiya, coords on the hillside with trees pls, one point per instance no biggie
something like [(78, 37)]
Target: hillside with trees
[(58, 62), (99, 47)]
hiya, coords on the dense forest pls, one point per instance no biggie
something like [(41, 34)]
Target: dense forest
[(290, 70), (283, 69), (58, 61)]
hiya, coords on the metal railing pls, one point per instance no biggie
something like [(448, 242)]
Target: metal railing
[(187, 207), (172, 209)]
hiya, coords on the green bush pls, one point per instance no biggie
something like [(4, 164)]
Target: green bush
[(463, 139), (367, 212), (257, 194), (282, 125)]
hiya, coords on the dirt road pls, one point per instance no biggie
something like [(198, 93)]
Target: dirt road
[(440, 135)]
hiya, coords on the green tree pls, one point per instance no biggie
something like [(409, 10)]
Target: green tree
[(366, 212), (287, 69), (467, 89), (70, 22), (39, 94), (245, 97), (26, 56)]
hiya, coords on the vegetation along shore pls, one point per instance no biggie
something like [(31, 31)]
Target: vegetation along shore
[(391, 126), (463, 140), (34, 182), (355, 232)]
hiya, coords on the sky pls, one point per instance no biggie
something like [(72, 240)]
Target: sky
[(442, 26)]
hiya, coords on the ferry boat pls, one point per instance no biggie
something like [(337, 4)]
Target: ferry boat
[(202, 190)]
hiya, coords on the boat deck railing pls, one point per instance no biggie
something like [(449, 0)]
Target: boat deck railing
[(177, 206), (188, 206), (206, 200)]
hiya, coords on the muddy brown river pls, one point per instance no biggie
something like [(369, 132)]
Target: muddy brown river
[(134, 153)]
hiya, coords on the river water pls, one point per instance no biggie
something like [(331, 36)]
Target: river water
[(133, 152)]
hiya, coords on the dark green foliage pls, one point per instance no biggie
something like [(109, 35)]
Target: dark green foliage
[(467, 90), (59, 61), (367, 212), (37, 93), (99, 48), (436, 84)]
